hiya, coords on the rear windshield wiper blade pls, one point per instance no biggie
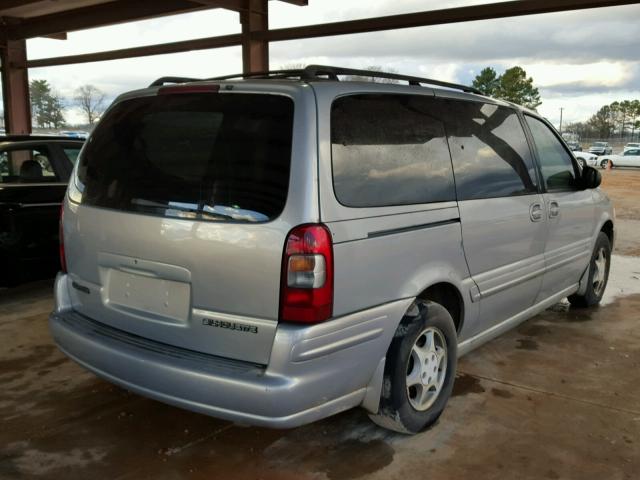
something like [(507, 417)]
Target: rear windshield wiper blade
[(195, 213)]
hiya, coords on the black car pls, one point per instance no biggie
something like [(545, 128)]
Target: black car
[(34, 171)]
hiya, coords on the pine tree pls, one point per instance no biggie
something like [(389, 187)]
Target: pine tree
[(487, 81)]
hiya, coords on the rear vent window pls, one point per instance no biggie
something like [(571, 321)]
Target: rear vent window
[(221, 157)]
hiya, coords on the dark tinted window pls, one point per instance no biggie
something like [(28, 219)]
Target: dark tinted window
[(491, 157), (556, 163), (632, 152), (389, 150), (26, 165), (72, 153), (206, 156)]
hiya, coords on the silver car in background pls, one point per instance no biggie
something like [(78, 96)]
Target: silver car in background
[(275, 250)]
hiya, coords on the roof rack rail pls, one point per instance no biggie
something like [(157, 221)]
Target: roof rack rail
[(274, 74), (162, 80), (320, 72)]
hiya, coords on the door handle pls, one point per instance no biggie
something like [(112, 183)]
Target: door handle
[(536, 212), (554, 209)]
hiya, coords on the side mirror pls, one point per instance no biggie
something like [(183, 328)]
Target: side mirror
[(591, 178)]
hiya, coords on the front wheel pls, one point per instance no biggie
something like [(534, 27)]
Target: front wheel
[(420, 369), (598, 274), (581, 162), (605, 163)]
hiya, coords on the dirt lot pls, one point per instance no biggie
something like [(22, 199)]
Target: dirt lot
[(623, 187), (557, 398)]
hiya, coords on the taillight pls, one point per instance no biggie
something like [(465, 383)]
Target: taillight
[(63, 258), (306, 291)]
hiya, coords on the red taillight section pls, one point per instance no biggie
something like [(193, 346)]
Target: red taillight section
[(306, 291), (63, 258), (173, 89)]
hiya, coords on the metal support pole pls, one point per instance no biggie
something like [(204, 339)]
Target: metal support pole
[(255, 52), (15, 86)]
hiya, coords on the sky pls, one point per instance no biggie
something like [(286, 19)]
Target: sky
[(578, 60)]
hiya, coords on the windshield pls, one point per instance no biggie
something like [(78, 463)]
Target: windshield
[(204, 156)]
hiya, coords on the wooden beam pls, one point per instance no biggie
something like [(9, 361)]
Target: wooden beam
[(436, 17), (300, 3), (236, 5), (15, 86), (7, 4), (100, 15), (147, 50), (249, 37), (57, 36), (255, 51)]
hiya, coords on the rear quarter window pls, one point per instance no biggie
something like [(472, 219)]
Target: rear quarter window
[(389, 150)]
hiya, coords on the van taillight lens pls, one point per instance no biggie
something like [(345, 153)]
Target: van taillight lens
[(63, 258), (306, 292)]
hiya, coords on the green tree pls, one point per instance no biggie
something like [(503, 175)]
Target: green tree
[(487, 81), (517, 88), (47, 108), (634, 117), (625, 115), (603, 122)]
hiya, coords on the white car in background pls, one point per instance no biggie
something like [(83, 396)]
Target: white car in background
[(586, 158), (631, 146), (630, 158)]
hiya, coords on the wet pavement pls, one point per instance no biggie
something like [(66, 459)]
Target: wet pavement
[(558, 397)]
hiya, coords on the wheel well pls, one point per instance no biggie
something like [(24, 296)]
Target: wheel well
[(449, 297), (607, 228)]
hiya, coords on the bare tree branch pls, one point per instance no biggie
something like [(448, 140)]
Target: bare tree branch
[(91, 101)]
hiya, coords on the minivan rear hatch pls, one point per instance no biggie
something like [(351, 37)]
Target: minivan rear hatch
[(173, 230)]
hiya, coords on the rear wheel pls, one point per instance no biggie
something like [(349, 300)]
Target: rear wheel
[(419, 370), (598, 274), (581, 162)]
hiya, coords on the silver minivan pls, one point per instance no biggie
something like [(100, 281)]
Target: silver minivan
[(277, 248)]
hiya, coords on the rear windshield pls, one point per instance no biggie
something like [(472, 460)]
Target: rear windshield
[(200, 156)]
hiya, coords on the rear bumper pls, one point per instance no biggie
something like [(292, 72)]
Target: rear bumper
[(313, 371)]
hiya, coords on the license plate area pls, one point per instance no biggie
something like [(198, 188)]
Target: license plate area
[(148, 296)]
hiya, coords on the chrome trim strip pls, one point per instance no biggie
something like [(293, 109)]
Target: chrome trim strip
[(392, 231)]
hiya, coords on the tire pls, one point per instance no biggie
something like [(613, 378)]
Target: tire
[(581, 162), (604, 163), (599, 267), (424, 326)]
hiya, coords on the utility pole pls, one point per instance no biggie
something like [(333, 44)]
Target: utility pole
[(561, 109)]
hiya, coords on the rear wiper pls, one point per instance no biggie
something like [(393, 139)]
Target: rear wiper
[(198, 214)]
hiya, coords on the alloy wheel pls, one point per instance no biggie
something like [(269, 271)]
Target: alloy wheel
[(426, 368)]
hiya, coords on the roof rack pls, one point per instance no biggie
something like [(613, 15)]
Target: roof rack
[(162, 80), (324, 72), (271, 74)]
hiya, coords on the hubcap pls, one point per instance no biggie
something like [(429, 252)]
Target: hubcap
[(426, 368), (599, 272)]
